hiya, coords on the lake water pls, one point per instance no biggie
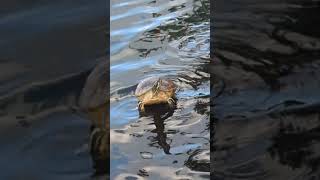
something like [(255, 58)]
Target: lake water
[(160, 38), (265, 84), (47, 50), (266, 69)]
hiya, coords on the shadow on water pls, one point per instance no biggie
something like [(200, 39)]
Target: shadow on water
[(297, 153), (266, 85), (160, 113)]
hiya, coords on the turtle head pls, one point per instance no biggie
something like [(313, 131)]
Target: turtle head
[(156, 86)]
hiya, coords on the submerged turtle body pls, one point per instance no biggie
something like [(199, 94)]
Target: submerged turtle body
[(155, 90)]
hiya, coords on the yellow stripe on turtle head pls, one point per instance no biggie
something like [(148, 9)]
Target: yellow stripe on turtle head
[(156, 87)]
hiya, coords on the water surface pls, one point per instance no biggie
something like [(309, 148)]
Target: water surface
[(47, 50), (160, 38), (266, 71)]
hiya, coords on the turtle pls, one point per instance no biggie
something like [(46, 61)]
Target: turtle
[(155, 90), (94, 95), (94, 102)]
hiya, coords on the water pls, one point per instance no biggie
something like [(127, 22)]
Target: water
[(160, 38), (47, 51), (266, 70), (265, 83)]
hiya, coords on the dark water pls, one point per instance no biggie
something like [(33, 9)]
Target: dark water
[(266, 68), (265, 83), (160, 38), (47, 50)]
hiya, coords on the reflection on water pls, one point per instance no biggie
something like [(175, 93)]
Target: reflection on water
[(159, 113), (47, 50), (298, 153), (266, 69), (160, 38)]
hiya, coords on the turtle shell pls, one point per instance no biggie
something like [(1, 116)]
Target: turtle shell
[(147, 84)]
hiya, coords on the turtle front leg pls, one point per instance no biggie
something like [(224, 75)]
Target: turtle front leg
[(171, 102), (141, 106)]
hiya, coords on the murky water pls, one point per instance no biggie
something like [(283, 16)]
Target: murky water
[(160, 38), (265, 83), (47, 51), (267, 72)]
